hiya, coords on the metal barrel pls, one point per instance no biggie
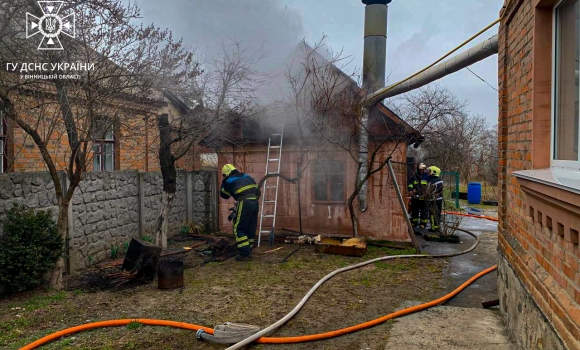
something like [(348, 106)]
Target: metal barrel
[(170, 274)]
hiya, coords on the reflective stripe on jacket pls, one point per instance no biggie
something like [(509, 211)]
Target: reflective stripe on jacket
[(239, 185)]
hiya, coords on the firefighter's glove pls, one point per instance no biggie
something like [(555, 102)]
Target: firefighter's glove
[(234, 212), (232, 215)]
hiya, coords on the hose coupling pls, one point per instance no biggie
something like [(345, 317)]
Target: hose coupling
[(199, 333)]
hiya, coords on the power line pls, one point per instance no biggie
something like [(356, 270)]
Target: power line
[(480, 78)]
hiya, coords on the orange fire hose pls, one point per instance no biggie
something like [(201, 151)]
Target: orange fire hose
[(263, 340), (472, 215)]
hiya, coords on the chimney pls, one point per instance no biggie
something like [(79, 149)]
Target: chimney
[(374, 61), (375, 46)]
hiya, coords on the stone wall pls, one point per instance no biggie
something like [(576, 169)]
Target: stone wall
[(105, 213), (36, 190), (526, 324), (109, 208), (152, 191)]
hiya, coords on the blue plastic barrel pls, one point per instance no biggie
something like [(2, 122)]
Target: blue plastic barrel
[(474, 193)]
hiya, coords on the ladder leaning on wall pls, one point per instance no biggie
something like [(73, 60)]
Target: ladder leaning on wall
[(274, 143)]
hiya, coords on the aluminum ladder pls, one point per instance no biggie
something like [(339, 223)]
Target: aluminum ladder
[(267, 189)]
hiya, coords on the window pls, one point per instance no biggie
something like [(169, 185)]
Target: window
[(3, 133), (104, 145), (328, 181), (566, 88)]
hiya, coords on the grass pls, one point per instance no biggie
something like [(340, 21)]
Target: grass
[(464, 203), (41, 301), (134, 325), (257, 292)]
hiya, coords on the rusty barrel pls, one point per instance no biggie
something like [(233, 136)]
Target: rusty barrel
[(170, 274)]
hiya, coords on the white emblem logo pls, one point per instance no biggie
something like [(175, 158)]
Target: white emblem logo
[(50, 25)]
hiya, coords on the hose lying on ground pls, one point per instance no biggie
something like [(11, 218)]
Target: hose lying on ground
[(471, 215), (205, 331), (283, 320), (278, 340)]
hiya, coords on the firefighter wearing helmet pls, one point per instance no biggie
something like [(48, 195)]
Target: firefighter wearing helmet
[(417, 186), (245, 191), (435, 204)]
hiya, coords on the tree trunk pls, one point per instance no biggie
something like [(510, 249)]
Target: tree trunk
[(163, 221), (55, 281), (353, 218), (167, 163), (299, 207)]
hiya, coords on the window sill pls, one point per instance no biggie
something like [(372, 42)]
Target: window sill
[(564, 179), (553, 201)]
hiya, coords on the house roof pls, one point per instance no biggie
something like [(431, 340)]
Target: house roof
[(179, 104), (386, 123), (411, 132), (383, 123)]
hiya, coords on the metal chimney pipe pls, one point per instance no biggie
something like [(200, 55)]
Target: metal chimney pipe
[(375, 44), (475, 54), (374, 67)]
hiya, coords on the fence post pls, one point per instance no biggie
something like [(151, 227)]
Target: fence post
[(457, 190), (214, 201), (189, 197), (141, 202)]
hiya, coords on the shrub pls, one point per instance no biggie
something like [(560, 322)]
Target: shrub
[(30, 247)]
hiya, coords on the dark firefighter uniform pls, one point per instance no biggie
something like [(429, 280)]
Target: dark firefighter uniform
[(436, 190), (417, 186), (245, 191)]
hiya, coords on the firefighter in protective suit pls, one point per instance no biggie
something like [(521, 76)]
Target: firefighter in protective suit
[(417, 187), (435, 190), (245, 191)]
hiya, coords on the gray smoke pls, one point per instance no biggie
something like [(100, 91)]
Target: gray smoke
[(254, 23)]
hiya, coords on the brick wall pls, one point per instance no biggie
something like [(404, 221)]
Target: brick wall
[(382, 220), (544, 262)]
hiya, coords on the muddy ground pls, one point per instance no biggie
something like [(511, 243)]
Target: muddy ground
[(258, 292)]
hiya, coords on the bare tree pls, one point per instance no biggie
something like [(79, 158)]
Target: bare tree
[(222, 90), (124, 67), (335, 99), (454, 139), (302, 101)]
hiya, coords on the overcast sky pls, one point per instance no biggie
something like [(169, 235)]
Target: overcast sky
[(419, 32)]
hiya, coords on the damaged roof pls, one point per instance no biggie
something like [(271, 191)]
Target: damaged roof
[(383, 122)]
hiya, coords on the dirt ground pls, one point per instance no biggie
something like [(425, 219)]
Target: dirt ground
[(257, 292)]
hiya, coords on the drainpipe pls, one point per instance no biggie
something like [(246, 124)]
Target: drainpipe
[(374, 67), (465, 59)]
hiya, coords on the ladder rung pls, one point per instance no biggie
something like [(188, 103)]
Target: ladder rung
[(269, 201), (274, 160), (267, 216), (270, 186), (274, 146), (265, 231), (276, 134)]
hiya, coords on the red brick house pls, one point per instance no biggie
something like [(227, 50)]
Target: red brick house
[(539, 264), (131, 144), (328, 181)]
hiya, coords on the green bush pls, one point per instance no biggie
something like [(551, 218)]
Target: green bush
[(30, 247)]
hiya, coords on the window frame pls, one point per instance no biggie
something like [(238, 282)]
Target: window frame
[(101, 154), (556, 163), (328, 189)]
